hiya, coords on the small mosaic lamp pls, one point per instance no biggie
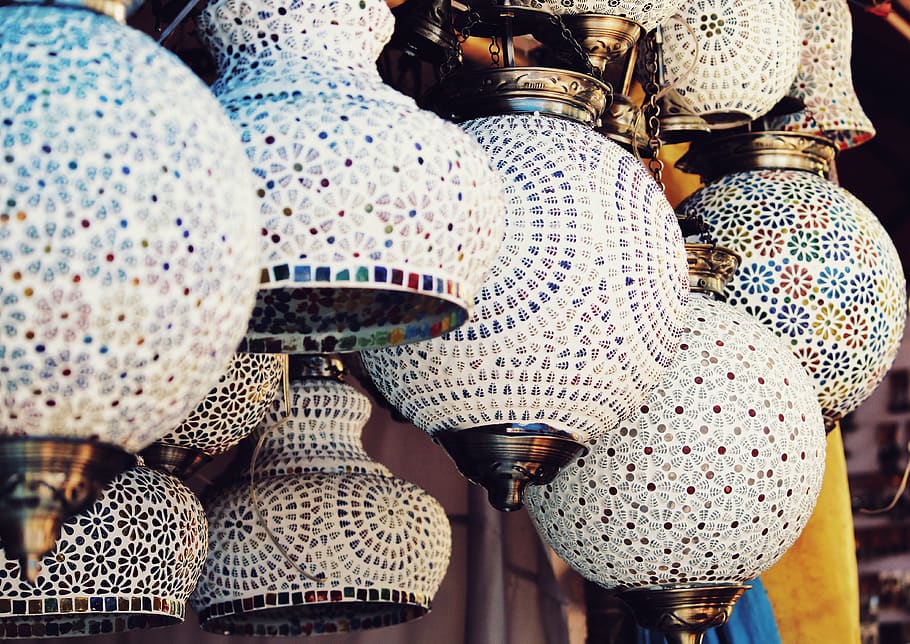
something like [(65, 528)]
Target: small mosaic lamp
[(728, 62), (708, 485), (824, 82), (818, 267), (229, 412), (129, 562), (378, 220), (325, 540), (128, 259)]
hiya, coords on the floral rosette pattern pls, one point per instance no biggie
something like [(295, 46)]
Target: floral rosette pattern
[(648, 13), (818, 268), (714, 478), (129, 562), (378, 219)]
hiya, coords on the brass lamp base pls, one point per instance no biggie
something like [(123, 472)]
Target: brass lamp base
[(43, 482), (506, 458), (176, 460), (683, 613)]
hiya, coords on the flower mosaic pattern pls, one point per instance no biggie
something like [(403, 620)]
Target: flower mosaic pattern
[(835, 291), (649, 14), (714, 478)]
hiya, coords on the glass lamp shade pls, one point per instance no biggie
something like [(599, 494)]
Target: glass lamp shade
[(128, 261), (818, 268), (730, 60), (581, 313), (229, 412), (648, 13), (378, 219), (129, 562), (714, 478), (824, 81), (382, 544)]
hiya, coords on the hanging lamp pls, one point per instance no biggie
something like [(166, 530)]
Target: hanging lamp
[(128, 562), (729, 62), (377, 219), (824, 81), (128, 259), (326, 540), (226, 415), (580, 313), (708, 485), (818, 267)]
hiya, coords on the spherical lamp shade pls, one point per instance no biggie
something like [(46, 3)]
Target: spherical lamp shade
[(129, 562), (731, 60), (378, 220), (229, 412), (649, 13), (128, 256), (818, 268), (710, 483), (824, 81), (379, 545), (578, 318)]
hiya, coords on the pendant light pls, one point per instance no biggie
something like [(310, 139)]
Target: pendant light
[(824, 81), (229, 412), (128, 256), (325, 539), (378, 220), (128, 562), (579, 315), (818, 267), (708, 485)]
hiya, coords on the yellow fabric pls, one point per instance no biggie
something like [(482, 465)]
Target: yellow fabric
[(814, 588)]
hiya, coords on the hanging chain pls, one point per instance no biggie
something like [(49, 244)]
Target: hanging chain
[(651, 108), (453, 61), (495, 50), (576, 47)]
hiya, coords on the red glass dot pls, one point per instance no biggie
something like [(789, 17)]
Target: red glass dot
[(716, 409), (721, 450), (727, 489), (686, 449), (679, 409), (754, 453), (690, 490), (649, 450)]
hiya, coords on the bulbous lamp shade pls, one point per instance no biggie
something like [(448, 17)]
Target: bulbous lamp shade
[(579, 316), (128, 562), (380, 544), (378, 219), (732, 60), (818, 267), (649, 13), (229, 412), (824, 81), (128, 256)]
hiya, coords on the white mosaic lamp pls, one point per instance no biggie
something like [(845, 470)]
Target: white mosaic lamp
[(707, 485), (818, 267), (129, 562), (824, 81), (342, 544), (577, 321), (128, 257), (378, 220)]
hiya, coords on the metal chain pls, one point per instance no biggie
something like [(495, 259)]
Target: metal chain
[(651, 109), (495, 50), (576, 47), (453, 61)]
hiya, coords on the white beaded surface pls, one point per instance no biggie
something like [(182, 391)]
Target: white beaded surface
[(378, 219), (581, 313), (742, 59), (819, 269), (130, 561), (711, 482), (127, 254), (824, 81), (335, 512), (648, 13)]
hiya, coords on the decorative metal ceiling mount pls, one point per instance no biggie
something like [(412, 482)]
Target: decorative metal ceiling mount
[(684, 614), (711, 268), (506, 459), (423, 28), (746, 151), (378, 220)]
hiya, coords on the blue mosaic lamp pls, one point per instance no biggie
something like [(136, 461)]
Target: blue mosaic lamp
[(127, 259)]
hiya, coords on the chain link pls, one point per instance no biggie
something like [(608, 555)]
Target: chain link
[(453, 61), (576, 47), (651, 110), (495, 50)]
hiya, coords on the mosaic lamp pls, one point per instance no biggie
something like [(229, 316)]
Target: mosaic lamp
[(229, 412), (128, 259), (707, 485), (128, 562), (824, 82), (727, 62), (324, 539), (580, 314), (377, 219), (818, 267)]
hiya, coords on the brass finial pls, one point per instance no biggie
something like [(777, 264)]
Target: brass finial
[(710, 268)]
